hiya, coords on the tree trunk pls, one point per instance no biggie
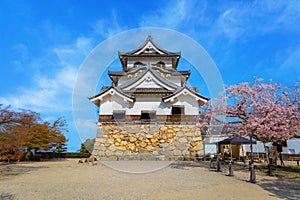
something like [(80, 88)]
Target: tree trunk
[(267, 153), (281, 159), (251, 149)]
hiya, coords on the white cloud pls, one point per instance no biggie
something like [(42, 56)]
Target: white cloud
[(49, 94), (106, 28), (230, 22), (75, 53), (198, 19), (175, 14), (289, 16), (64, 80), (52, 89), (228, 25), (84, 45), (291, 65)]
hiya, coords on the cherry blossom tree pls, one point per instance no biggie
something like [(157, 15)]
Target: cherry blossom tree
[(212, 114), (268, 112)]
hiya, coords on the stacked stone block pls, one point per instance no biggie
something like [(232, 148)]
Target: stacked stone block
[(148, 142)]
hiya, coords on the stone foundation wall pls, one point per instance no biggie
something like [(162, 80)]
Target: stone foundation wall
[(147, 142)]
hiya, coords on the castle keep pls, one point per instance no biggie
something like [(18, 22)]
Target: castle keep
[(148, 111)]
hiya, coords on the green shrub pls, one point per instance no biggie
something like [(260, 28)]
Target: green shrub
[(77, 155)]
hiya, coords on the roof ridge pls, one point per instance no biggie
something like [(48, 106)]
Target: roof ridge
[(189, 89), (128, 72), (157, 46), (112, 87), (160, 78)]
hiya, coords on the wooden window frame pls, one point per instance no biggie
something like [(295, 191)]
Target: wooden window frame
[(181, 107), (148, 115), (117, 113)]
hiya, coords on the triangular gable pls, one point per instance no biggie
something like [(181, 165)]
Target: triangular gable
[(111, 91), (149, 83), (149, 48), (142, 81), (185, 91)]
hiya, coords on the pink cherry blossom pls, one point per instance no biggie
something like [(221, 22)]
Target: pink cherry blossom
[(268, 112)]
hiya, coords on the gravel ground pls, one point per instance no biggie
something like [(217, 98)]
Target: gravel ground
[(181, 180)]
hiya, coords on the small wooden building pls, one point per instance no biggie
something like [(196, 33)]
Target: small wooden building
[(234, 146)]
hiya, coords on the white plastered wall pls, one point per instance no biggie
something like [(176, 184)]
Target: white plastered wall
[(190, 104), (148, 103)]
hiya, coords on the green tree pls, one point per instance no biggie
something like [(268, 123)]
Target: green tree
[(87, 146)]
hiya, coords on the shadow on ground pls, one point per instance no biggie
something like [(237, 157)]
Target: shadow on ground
[(6, 196), (186, 165), (282, 188), (12, 169)]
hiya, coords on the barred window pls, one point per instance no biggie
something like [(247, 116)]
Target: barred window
[(148, 115), (118, 115), (177, 110)]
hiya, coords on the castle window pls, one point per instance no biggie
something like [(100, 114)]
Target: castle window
[(148, 115), (149, 50), (138, 64), (161, 64), (118, 115), (177, 110)]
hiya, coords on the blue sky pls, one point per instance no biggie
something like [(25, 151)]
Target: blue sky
[(43, 43)]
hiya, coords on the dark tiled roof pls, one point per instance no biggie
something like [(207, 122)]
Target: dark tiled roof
[(184, 72), (194, 88), (123, 73), (149, 38), (172, 72), (147, 55), (116, 73), (237, 139), (160, 78), (133, 80), (105, 89), (149, 91), (189, 89)]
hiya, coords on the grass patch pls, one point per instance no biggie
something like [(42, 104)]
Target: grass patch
[(282, 171), (289, 171)]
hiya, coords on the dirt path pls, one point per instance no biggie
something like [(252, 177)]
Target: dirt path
[(70, 180)]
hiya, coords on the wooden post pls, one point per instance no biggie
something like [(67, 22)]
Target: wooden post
[(218, 164), (230, 173)]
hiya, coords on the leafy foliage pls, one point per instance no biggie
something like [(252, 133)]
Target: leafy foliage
[(87, 146), (24, 131)]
